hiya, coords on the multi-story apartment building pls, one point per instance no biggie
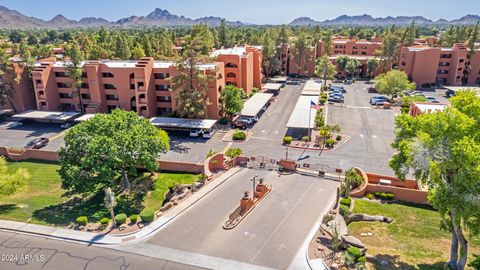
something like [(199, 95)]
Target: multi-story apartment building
[(243, 66), (427, 65), (142, 86)]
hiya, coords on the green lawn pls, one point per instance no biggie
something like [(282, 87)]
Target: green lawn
[(412, 241), (44, 202)]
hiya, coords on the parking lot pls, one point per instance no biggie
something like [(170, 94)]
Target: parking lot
[(18, 136), (270, 235)]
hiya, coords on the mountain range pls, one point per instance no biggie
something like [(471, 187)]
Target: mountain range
[(12, 19)]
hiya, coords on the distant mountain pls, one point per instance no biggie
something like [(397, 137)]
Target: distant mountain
[(367, 20), (12, 19)]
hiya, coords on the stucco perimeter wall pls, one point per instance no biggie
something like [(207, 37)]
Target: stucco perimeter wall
[(407, 190), (180, 166), (29, 154)]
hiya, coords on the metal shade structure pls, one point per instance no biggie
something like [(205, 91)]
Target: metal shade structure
[(255, 104), (181, 123), (300, 115)]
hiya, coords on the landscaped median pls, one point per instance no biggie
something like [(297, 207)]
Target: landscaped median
[(28, 211)]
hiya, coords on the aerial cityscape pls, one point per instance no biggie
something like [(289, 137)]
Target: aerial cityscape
[(253, 135)]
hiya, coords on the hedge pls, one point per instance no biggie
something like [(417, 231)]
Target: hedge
[(147, 215), (239, 136), (133, 219), (82, 220), (346, 201), (120, 219), (223, 121), (287, 139), (355, 252), (104, 221), (344, 210)]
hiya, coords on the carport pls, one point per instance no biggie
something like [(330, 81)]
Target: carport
[(182, 124), (303, 116), (85, 117), (47, 116), (272, 87), (254, 105), (312, 88)]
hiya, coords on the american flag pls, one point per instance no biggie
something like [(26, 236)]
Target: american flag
[(313, 105)]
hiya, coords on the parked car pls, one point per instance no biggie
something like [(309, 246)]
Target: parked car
[(415, 93), (240, 123), (449, 93), (66, 125), (195, 133), (372, 89), (251, 119), (208, 133), (432, 100), (37, 143), (378, 100), (337, 88)]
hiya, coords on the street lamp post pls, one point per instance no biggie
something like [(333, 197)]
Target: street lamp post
[(286, 152), (254, 179)]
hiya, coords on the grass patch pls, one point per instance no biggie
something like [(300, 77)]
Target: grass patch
[(412, 241), (162, 183), (43, 201)]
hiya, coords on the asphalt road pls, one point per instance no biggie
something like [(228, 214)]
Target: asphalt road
[(42, 253), (269, 236), (18, 137)]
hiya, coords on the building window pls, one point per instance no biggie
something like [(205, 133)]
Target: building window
[(85, 96), (109, 86), (444, 64), (65, 95), (84, 75), (161, 76), (67, 107), (404, 64), (445, 55), (231, 75), (355, 48), (38, 81), (140, 84), (461, 60), (107, 75), (41, 93), (162, 87), (164, 99), (85, 86), (132, 75), (231, 65), (132, 86), (43, 103), (61, 74), (442, 71), (111, 97), (62, 85)]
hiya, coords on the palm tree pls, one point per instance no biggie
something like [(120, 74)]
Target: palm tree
[(325, 69), (110, 203)]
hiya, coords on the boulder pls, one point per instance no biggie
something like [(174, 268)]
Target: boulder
[(353, 241)]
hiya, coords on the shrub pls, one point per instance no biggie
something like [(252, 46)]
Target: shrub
[(344, 210), (324, 95), (120, 219), (354, 178), (287, 139), (362, 259), (405, 110), (82, 220), (387, 196), (338, 138), (327, 218), (323, 100), (377, 194), (233, 152), (346, 201), (475, 264), (104, 221), (223, 121), (329, 143), (355, 252), (306, 138), (239, 136), (147, 215), (370, 196), (133, 219)]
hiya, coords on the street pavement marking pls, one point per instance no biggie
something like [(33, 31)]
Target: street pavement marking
[(57, 136), (357, 107), (227, 146), (261, 138), (374, 136)]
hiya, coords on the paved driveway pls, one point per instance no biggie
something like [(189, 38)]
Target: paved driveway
[(18, 137), (270, 235)]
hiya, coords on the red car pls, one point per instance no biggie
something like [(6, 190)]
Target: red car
[(372, 89), (37, 143)]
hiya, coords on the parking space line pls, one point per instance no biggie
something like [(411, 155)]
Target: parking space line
[(57, 136)]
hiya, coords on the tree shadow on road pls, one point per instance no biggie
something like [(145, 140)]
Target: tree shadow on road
[(394, 262)]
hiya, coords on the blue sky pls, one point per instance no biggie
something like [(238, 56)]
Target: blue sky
[(254, 11)]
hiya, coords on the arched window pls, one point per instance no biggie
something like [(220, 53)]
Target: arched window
[(231, 65), (231, 75)]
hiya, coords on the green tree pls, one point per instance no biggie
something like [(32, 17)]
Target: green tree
[(328, 42), (301, 52), (223, 34), (472, 46), (389, 47), (122, 48), (231, 100), (11, 183), (372, 66), (444, 157), (352, 67), (393, 83), (7, 75), (138, 53), (75, 71), (110, 202), (105, 150), (325, 69), (270, 63), (342, 62)]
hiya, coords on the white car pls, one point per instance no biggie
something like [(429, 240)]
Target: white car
[(208, 133), (195, 133)]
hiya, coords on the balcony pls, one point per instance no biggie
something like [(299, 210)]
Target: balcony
[(40, 86), (142, 101), (142, 88)]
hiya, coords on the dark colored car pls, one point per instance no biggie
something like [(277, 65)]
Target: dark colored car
[(372, 89), (37, 143), (240, 123)]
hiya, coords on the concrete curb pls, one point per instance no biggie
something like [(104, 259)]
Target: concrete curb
[(105, 239), (325, 149)]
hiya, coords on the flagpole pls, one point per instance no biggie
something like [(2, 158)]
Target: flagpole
[(309, 120)]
